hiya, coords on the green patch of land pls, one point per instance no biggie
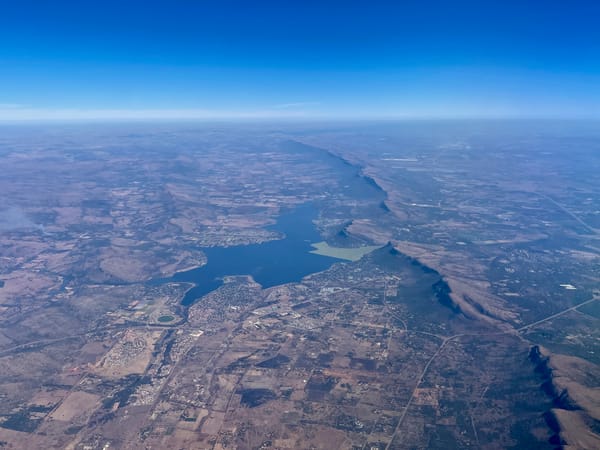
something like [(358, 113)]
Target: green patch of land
[(166, 318), (349, 254)]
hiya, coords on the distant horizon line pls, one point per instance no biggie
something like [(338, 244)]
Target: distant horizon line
[(21, 113), (290, 119)]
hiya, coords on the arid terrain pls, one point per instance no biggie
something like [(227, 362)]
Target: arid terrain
[(459, 308)]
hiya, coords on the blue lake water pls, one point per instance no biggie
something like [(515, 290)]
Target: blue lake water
[(271, 263)]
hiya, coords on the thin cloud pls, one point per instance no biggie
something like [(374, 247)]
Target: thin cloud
[(28, 114), (295, 105), (14, 218)]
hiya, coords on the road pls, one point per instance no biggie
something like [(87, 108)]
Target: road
[(558, 314), (419, 380), (450, 338)]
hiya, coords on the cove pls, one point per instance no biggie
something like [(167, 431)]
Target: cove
[(270, 263)]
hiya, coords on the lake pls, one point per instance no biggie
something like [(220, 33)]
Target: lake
[(271, 263)]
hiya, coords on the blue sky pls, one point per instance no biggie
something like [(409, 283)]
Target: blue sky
[(304, 59)]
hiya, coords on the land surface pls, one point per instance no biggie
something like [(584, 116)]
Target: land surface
[(462, 311)]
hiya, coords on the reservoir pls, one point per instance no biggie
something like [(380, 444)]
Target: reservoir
[(270, 263), (289, 259)]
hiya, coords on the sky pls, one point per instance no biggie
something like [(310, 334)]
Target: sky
[(220, 59)]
